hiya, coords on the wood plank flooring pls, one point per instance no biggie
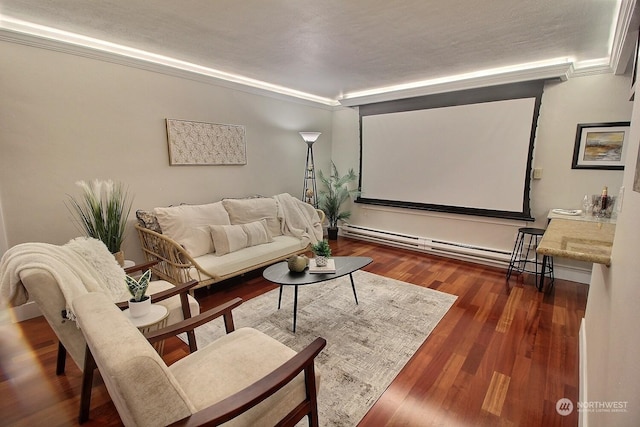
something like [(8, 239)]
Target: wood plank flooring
[(502, 356)]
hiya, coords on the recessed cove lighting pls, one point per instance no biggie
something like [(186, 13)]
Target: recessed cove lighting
[(49, 33), (475, 75)]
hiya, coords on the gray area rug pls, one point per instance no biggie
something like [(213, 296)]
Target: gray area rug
[(367, 344)]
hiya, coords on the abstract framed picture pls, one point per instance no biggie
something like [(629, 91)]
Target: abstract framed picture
[(198, 143), (601, 146)]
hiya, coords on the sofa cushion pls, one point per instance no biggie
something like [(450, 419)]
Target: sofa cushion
[(189, 225), (247, 258), (230, 238), (242, 211)]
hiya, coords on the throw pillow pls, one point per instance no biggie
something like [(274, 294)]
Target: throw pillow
[(243, 211), (231, 238), (148, 220), (189, 225)]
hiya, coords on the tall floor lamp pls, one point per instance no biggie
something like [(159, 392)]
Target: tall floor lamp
[(309, 191)]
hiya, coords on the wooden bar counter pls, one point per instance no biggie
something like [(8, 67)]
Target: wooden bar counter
[(578, 239)]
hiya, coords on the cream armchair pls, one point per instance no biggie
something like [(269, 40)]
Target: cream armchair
[(244, 378), (29, 275)]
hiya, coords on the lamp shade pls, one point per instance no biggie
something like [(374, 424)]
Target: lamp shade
[(310, 136)]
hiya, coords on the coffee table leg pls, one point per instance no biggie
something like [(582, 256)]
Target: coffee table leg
[(353, 286), (280, 297), (295, 306)]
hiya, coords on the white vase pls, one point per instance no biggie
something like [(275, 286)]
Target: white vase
[(141, 308), (321, 261)]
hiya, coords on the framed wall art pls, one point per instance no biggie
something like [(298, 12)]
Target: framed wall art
[(198, 143), (600, 146)]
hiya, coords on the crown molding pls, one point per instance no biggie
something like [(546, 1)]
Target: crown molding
[(558, 70), (624, 36), (168, 66)]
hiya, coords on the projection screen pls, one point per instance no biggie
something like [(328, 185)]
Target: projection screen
[(471, 158)]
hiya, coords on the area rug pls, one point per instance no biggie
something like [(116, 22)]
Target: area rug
[(367, 344)]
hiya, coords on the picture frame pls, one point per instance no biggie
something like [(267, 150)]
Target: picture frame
[(200, 143), (601, 146)]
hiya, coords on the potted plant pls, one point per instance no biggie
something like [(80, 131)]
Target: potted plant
[(322, 251), (140, 303), (102, 212), (332, 197)]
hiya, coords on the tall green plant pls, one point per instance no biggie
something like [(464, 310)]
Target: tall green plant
[(335, 193), (102, 211)]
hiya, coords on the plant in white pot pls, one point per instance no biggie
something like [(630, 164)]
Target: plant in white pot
[(322, 252), (102, 212), (333, 195), (140, 303)]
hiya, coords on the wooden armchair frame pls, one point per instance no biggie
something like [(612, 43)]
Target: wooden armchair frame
[(245, 399), (87, 374)]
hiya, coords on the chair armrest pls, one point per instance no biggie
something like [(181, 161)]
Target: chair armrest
[(193, 322), (248, 397), (321, 214), (139, 267), (173, 261)]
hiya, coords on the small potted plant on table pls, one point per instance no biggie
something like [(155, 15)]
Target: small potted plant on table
[(139, 304), (322, 251)]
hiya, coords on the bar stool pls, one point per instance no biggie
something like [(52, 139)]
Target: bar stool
[(521, 260)]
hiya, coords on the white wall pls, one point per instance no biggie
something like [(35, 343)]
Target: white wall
[(612, 316), (65, 118), (592, 99)]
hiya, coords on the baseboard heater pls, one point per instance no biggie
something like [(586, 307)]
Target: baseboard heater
[(456, 250)]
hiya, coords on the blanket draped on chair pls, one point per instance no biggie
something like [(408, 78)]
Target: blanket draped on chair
[(298, 219), (80, 266)]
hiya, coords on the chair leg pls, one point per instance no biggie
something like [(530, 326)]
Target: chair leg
[(87, 383), (515, 255), (312, 396), (186, 314), (62, 358)]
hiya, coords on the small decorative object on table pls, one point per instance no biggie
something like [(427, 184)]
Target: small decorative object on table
[(322, 251), (139, 304), (603, 204), (297, 263)]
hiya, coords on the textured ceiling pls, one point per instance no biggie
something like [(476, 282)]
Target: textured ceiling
[(330, 48)]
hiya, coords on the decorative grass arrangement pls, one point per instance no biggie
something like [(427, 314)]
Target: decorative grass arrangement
[(103, 211)]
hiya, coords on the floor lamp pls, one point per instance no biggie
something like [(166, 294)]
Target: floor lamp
[(309, 191)]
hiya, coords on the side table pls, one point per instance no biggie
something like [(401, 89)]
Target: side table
[(154, 320)]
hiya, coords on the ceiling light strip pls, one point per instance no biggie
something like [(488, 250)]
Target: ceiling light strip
[(42, 36), (553, 68)]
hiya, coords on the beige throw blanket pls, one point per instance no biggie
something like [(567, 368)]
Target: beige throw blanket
[(298, 219), (82, 265)]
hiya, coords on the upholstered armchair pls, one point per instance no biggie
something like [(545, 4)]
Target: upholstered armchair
[(32, 271), (244, 378)]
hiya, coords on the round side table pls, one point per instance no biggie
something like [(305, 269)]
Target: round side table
[(154, 320)]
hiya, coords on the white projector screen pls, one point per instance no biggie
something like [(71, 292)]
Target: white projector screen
[(472, 159)]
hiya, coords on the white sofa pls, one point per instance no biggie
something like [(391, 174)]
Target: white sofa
[(216, 241)]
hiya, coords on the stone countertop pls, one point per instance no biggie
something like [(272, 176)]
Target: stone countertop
[(580, 240)]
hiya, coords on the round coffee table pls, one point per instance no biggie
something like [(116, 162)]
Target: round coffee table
[(279, 274)]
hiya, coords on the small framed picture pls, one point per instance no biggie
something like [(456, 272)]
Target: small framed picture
[(601, 146)]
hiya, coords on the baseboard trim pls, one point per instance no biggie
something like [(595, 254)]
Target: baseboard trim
[(582, 396)]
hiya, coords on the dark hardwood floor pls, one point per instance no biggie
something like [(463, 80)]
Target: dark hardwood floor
[(502, 356)]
